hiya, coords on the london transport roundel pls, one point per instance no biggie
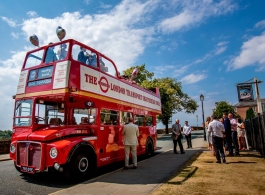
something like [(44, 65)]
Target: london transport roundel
[(104, 84)]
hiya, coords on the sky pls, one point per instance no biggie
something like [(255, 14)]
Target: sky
[(207, 45)]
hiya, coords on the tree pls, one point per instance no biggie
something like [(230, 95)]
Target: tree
[(173, 99), (142, 75), (223, 106), (250, 113)]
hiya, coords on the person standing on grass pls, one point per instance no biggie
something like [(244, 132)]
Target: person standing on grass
[(131, 133), (234, 132), (228, 138), (217, 129), (176, 137), (187, 132)]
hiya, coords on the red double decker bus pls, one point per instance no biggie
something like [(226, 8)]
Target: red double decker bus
[(70, 108)]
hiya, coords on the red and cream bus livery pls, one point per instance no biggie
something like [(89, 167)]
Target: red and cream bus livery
[(70, 108)]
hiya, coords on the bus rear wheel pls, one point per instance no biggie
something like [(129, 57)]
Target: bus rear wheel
[(79, 166), (149, 148)]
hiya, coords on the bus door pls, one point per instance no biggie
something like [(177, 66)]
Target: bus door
[(109, 133)]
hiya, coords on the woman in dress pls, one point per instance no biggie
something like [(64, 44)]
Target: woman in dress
[(209, 135), (241, 134)]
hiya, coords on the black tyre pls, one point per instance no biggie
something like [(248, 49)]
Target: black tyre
[(17, 168), (149, 148), (79, 166)]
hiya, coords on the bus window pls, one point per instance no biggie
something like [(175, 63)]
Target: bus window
[(23, 113), (49, 113), (124, 117), (107, 66), (108, 117), (34, 58), (85, 116), (148, 121), (83, 55), (139, 120)]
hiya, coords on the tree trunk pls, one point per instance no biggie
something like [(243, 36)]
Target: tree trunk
[(166, 128)]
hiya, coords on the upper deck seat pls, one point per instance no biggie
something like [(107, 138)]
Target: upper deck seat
[(55, 121), (84, 120)]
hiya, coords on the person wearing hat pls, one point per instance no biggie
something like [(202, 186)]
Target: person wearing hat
[(217, 129)]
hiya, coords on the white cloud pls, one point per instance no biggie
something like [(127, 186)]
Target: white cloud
[(9, 21), (87, 2), (193, 78), (180, 70), (105, 6), (15, 35), (32, 14), (260, 24), (252, 53), (193, 13)]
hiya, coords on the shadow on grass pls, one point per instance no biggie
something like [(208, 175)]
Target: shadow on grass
[(241, 162), (183, 176)]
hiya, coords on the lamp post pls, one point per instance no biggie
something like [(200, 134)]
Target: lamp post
[(204, 133), (197, 121)]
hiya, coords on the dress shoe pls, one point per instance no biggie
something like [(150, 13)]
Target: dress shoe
[(175, 152), (125, 168), (237, 153), (182, 152), (229, 155), (224, 161), (218, 161), (134, 167)]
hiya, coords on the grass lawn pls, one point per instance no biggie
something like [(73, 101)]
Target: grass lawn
[(244, 174)]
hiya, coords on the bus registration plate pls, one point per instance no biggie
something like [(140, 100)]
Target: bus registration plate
[(27, 169)]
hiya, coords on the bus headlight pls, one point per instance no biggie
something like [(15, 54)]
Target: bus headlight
[(53, 152), (12, 148)]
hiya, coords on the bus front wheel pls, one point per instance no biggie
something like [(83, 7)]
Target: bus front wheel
[(79, 166)]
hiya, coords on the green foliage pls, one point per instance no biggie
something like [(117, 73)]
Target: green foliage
[(250, 113), (5, 134), (172, 97), (223, 106), (142, 75)]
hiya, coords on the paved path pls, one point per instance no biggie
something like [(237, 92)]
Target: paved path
[(151, 173)]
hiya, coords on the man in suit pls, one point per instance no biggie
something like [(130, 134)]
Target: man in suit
[(176, 137), (130, 132), (228, 138)]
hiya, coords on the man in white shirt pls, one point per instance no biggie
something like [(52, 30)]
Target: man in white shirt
[(217, 129), (187, 132), (130, 132)]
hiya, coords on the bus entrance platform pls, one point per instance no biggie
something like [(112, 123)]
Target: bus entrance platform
[(150, 174)]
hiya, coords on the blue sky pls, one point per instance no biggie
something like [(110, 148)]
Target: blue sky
[(207, 45)]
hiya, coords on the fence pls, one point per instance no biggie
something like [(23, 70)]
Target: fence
[(255, 130), (4, 146)]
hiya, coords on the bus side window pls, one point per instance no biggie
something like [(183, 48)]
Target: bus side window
[(148, 121), (139, 120), (108, 117)]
